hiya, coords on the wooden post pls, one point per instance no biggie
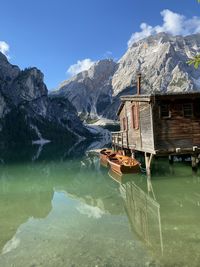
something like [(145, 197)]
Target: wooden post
[(127, 139), (148, 159), (115, 143), (132, 153)]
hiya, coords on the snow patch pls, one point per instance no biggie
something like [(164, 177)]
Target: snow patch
[(104, 136), (103, 122), (41, 140)]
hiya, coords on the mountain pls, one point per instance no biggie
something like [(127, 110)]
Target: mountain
[(90, 92), (28, 114), (162, 61)]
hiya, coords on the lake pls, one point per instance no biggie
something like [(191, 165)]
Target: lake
[(62, 208)]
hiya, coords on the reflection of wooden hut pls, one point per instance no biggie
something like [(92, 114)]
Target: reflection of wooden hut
[(159, 124), (143, 213)]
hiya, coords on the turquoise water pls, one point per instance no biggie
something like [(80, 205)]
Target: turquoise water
[(56, 210)]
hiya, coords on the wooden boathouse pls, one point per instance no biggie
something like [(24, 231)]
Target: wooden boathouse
[(159, 124)]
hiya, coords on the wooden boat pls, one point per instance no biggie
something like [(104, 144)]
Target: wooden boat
[(104, 155), (123, 164)]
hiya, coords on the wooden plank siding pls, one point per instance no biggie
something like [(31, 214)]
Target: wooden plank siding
[(146, 127), (141, 137), (133, 134), (167, 124), (176, 131)]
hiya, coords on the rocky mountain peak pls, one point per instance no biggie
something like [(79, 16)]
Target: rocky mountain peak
[(26, 86), (98, 71), (162, 60), (90, 91), (3, 58), (101, 69), (8, 72)]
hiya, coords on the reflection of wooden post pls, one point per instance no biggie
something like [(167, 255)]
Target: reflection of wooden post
[(171, 159), (194, 159), (160, 231), (148, 159)]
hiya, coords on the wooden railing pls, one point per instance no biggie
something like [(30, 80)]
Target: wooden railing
[(120, 139)]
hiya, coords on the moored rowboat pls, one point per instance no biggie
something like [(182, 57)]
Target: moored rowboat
[(104, 155), (123, 164)]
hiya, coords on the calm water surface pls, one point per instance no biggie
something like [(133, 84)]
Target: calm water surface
[(56, 210)]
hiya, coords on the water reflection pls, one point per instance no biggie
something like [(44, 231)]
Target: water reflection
[(165, 212), (63, 212), (68, 210), (21, 199), (142, 209), (29, 191)]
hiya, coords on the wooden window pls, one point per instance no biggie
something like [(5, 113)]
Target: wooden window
[(177, 109), (188, 110), (165, 111), (135, 116), (124, 123), (196, 108)]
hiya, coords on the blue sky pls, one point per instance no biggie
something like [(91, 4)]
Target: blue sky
[(53, 35)]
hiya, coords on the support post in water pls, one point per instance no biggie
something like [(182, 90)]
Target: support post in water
[(132, 153), (148, 159)]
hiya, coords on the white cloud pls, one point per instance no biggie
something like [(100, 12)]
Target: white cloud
[(80, 66), (173, 23), (90, 211), (4, 48)]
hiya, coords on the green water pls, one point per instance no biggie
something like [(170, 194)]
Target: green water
[(56, 210)]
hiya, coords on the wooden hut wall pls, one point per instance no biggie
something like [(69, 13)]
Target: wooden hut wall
[(133, 134), (139, 133), (177, 130), (146, 127), (122, 116)]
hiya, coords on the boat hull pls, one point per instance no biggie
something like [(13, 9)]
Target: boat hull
[(104, 160), (104, 155), (122, 169)]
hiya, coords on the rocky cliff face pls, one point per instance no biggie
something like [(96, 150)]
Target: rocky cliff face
[(162, 60), (90, 92), (28, 114)]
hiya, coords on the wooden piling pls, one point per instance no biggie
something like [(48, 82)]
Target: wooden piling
[(148, 160)]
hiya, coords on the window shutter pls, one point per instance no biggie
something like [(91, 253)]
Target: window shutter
[(135, 116)]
